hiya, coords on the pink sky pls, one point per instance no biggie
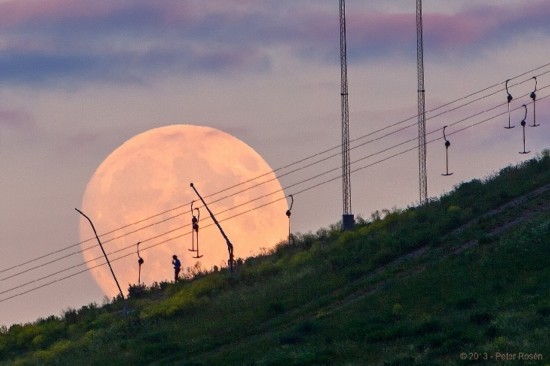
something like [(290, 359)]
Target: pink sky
[(78, 78)]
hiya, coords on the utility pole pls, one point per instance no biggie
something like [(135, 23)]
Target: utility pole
[(348, 220), (103, 250), (422, 174)]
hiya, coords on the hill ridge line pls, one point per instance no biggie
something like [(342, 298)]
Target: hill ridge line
[(297, 315)]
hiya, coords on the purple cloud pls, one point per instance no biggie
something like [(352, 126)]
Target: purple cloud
[(130, 40), (375, 34), (122, 41), (486, 26)]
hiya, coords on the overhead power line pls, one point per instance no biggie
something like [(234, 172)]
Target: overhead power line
[(170, 218), (258, 207), (279, 169)]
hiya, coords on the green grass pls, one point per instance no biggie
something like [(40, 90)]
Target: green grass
[(469, 272)]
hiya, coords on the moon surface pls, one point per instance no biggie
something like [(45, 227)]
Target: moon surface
[(141, 193)]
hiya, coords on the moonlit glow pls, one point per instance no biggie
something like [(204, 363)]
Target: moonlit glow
[(150, 174)]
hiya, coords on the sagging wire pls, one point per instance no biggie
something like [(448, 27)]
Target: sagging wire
[(236, 215), (273, 171)]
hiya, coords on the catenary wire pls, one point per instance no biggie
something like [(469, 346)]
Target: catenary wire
[(241, 213), (281, 168), (290, 186)]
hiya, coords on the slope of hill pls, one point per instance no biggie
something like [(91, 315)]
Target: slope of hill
[(462, 280)]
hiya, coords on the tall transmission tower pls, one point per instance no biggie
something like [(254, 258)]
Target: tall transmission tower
[(422, 175), (347, 217)]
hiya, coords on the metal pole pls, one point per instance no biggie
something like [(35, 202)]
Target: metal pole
[(288, 213), (140, 262), (422, 174), (347, 217), (103, 250)]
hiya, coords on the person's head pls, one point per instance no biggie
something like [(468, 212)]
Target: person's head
[(174, 257)]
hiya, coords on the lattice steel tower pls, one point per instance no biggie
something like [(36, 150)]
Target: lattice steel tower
[(422, 175), (347, 216)]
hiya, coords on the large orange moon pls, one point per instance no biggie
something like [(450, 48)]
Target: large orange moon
[(141, 193)]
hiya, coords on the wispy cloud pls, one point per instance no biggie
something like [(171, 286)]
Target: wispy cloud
[(129, 41), (486, 26)]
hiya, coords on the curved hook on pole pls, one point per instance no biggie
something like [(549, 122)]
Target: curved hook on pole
[(195, 218), (533, 96), (509, 98), (195, 226), (198, 214), (288, 212), (523, 123), (195, 232), (447, 144)]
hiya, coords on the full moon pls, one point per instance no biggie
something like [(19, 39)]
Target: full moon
[(141, 194)]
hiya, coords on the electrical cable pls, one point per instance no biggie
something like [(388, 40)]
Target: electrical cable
[(268, 173), (301, 160), (241, 213), (287, 187)]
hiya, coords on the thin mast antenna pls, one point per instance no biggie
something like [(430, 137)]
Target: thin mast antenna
[(347, 216), (422, 174)]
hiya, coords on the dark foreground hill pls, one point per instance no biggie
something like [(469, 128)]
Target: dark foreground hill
[(462, 280)]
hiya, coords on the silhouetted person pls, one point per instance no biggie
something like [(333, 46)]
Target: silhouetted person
[(177, 267)]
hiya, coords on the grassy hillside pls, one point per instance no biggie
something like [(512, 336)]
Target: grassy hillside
[(465, 275)]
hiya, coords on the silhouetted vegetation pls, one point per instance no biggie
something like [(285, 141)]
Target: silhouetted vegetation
[(468, 272)]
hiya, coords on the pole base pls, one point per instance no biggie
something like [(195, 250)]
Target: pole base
[(348, 222)]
